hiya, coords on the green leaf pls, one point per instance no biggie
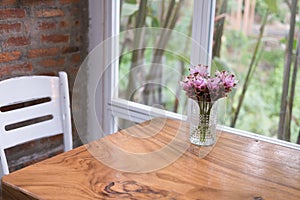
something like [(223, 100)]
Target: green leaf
[(272, 5), (155, 22), (129, 9), (131, 1), (283, 41), (295, 44), (152, 21)]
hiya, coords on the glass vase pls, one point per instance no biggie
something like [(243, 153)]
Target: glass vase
[(203, 123)]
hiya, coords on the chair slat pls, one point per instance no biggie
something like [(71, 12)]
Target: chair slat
[(23, 114), (29, 133), (33, 87)]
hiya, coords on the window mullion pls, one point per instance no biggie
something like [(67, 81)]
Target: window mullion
[(202, 32), (104, 26)]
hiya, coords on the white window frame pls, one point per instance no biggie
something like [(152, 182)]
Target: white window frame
[(202, 37), (104, 22)]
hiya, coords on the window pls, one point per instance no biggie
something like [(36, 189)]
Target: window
[(154, 57), (113, 102), (105, 102)]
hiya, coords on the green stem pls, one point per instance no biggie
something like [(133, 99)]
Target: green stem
[(204, 115)]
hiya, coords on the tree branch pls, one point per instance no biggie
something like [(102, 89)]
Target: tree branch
[(250, 70), (282, 126)]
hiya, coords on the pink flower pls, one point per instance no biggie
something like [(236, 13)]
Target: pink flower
[(199, 86), (200, 83), (213, 84), (228, 80), (199, 70)]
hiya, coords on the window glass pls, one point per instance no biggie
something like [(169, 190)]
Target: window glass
[(251, 38), (148, 75)]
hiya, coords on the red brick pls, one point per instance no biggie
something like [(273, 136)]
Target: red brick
[(11, 13), (35, 53), (68, 1), (70, 50), (16, 69), (47, 25), (8, 2), (9, 56), (64, 24), (16, 41), (49, 13), (52, 62), (7, 28), (38, 2), (47, 73), (55, 38), (76, 58)]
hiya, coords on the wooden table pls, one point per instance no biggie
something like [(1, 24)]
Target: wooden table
[(237, 167)]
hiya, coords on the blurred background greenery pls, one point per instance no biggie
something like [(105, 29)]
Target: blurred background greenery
[(238, 31)]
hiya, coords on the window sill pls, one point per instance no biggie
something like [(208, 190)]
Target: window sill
[(139, 113)]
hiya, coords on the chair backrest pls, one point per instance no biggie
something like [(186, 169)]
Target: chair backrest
[(33, 107)]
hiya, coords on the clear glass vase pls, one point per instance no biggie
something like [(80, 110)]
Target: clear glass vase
[(203, 123)]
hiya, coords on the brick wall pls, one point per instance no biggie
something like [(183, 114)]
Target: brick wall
[(41, 37)]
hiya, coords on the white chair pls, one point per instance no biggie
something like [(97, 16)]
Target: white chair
[(33, 107)]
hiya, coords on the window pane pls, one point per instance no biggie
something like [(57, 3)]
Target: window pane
[(152, 60), (123, 123), (239, 27)]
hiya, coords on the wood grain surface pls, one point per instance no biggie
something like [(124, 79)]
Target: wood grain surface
[(113, 167)]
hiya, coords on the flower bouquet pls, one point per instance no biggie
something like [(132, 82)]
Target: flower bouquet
[(205, 91)]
